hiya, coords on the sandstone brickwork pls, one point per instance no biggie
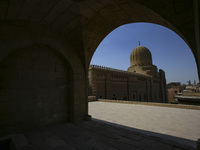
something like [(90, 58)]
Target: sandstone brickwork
[(108, 83), (73, 29), (34, 89), (145, 85)]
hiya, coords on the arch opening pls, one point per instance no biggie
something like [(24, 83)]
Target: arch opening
[(146, 89), (165, 45)]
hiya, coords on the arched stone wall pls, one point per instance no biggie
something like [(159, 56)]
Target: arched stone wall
[(111, 14), (84, 24), (76, 28), (35, 84), (14, 38)]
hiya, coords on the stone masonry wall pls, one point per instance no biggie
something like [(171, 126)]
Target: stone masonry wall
[(108, 83), (34, 91)]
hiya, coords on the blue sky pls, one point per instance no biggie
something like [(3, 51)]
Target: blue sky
[(169, 51)]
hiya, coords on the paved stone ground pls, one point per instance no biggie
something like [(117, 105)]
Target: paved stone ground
[(102, 135), (89, 135), (177, 122)]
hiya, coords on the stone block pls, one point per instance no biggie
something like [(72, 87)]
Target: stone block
[(126, 7), (3, 9), (42, 65), (60, 68), (81, 144), (110, 134), (97, 144), (130, 142), (64, 147), (65, 18), (120, 1), (20, 142), (95, 5), (122, 146), (86, 11), (153, 144), (15, 7), (29, 87), (121, 14), (42, 9), (57, 11), (178, 148), (28, 8), (54, 141), (136, 137), (198, 144)]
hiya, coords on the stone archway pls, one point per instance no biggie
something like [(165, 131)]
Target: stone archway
[(111, 14), (35, 84), (83, 24), (19, 37)]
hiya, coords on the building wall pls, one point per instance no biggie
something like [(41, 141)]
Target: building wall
[(171, 93), (155, 93), (163, 87), (173, 88), (34, 89), (75, 30), (113, 87), (110, 83)]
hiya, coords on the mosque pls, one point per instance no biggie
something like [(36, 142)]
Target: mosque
[(141, 81)]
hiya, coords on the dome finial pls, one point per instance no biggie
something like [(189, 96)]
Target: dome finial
[(139, 43)]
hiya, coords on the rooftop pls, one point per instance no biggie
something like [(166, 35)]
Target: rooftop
[(116, 70)]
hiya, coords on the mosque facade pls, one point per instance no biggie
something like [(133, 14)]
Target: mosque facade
[(141, 81)]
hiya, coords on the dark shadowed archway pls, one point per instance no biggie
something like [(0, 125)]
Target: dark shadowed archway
[(76, 27), (35, 89)]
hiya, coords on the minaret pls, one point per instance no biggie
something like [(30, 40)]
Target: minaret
[(194, 83), (189, 83)]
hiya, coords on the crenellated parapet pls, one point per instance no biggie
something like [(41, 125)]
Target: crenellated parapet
[(108, 68), (116, 70), (105, 68)]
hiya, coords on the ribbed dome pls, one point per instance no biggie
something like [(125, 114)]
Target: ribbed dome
[(141, 56)]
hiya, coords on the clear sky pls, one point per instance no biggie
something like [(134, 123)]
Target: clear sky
[(169, 51)]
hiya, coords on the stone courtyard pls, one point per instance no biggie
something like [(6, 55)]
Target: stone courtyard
[(171, 123), (88, 135), (45, 51), (116, 126)]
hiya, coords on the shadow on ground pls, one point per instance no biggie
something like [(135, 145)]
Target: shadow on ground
[(168, 139), (93, 135)]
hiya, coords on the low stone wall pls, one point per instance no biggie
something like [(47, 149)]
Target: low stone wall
[(153, 104), (92, 98), (191, 94)]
